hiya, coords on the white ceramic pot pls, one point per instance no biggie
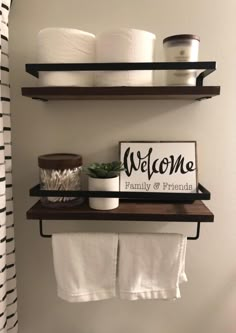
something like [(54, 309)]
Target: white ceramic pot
[(103, 184)]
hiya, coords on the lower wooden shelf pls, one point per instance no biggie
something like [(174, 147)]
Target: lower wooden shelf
[(121, 93), (127, 211)]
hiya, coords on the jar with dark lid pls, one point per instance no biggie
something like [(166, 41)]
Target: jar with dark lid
[(180, 48), (60, 172)]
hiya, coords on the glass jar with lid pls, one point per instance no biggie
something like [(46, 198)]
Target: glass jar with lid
[(60, 172), (181, 48)]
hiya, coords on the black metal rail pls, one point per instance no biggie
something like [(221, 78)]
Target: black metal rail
[(202, 194), (44, 235), (207, 67)]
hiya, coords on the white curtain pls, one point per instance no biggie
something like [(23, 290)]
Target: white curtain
[(8, 295)]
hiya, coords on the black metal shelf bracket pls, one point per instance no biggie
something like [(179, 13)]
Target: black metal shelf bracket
[(197, 233), (42, 234)]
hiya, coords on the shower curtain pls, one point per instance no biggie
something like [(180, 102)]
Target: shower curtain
[(8, 295)]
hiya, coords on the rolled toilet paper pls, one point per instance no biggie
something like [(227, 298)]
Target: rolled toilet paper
[(62, 45), (125, 45)]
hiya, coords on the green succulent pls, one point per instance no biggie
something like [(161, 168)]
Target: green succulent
[(104, 170)]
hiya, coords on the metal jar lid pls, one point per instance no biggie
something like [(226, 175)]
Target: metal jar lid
[(180, 37), (59, 161)]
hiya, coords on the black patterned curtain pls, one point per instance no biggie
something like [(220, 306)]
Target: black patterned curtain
[(8, 294)]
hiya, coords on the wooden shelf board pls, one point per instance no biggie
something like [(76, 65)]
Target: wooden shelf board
[(127, 211), (121, 93)]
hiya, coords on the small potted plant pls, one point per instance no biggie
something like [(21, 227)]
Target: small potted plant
[(104, 177)]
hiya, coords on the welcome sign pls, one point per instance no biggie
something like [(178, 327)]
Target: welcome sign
[(159, 166)]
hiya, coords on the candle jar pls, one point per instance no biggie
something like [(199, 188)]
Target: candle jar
[(60, 172), (180, 48)]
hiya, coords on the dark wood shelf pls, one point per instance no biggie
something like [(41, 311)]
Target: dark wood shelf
[(127, 211), (121, 93)]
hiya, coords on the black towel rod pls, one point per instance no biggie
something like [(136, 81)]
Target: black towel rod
[(42, 234)]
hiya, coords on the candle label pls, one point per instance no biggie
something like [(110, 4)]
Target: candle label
[(159, 166)]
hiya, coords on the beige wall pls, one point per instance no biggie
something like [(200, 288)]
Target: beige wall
[(93, 128)]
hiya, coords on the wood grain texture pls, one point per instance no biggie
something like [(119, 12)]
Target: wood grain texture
[(127, 211), (120, 93)]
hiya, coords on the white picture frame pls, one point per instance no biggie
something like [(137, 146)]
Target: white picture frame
[(159, 166)]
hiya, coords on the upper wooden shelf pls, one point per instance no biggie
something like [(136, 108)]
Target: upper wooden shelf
[(197, 92), (127, 211), (121, 93)]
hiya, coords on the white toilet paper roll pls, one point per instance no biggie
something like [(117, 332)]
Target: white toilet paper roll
[(62, 45), (125, 45)]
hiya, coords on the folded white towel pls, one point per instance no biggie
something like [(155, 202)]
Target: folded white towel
[(151, 266), (85, 265)]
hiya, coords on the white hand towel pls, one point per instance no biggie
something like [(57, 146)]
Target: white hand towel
[(85, 265), (151, 266)]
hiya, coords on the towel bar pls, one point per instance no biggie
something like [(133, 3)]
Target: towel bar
[(42, 234)]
